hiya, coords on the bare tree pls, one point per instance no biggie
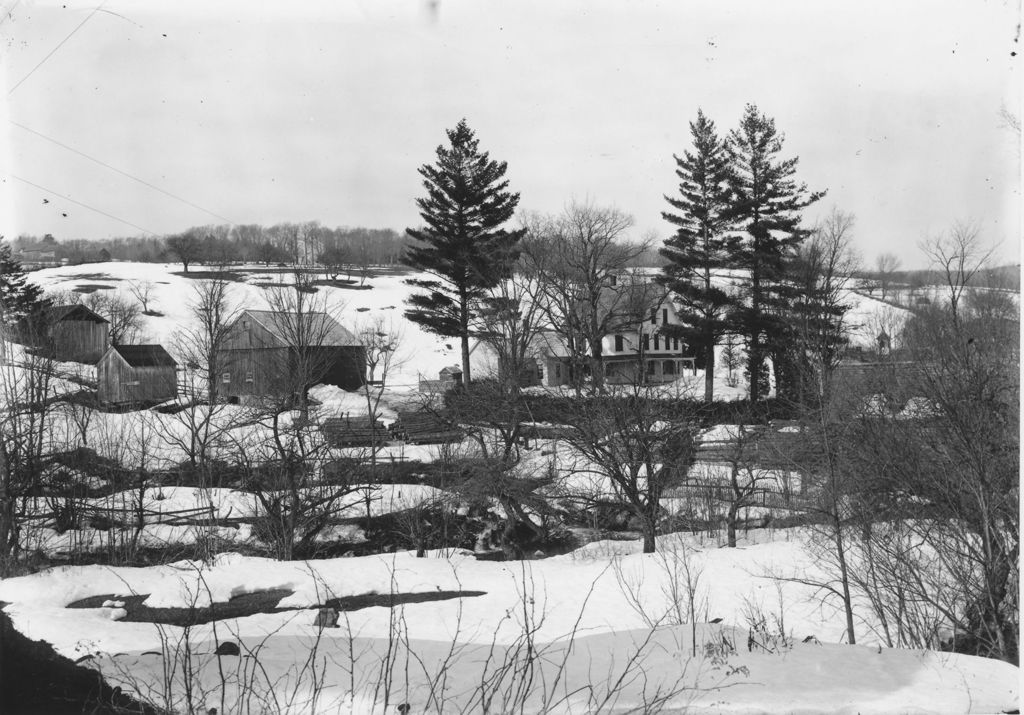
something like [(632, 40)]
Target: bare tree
[(739, 479), (578, 257), (123, 315), (731, 358), (886, 264), (26, 403), (509, 320), (640, 444), (142, 291), (212, 310), (381, 342), (946, 468), (821, 269), (187, 247), (305, 321), (957, 256)]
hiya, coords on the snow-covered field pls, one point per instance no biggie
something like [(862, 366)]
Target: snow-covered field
[(586, 615), (602, 628)]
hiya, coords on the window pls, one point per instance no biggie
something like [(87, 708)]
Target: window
[(669, 367), (664, 316), (654, 316), (226, 378), (650, 367), (647, 342), (657, 341), (618, 343), (249, 377), (245, 325), (558, 371), (675, 343)]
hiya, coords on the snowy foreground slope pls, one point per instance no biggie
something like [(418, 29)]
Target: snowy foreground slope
[(565, 634)]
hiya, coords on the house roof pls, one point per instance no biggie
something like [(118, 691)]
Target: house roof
[(322, 330), (550, 343), (73, 311), (145, 355)]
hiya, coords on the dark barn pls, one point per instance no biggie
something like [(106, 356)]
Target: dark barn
[(270, 353), (75, 333), (136, 374)]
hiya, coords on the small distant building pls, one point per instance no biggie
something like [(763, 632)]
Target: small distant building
[(37, 256), (448, 378), (136, 374), (75, 333), (265, 351)]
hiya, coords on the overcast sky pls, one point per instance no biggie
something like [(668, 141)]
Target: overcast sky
[(261, 113)]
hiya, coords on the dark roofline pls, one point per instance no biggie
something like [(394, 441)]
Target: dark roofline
[(56, 313), (153, 355)]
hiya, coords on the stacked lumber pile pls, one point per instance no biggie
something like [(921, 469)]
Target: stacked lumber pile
[(354, 432), (425, 427)]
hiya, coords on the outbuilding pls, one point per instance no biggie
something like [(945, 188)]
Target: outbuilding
[(136, 374), (75, 333), (277, 352)]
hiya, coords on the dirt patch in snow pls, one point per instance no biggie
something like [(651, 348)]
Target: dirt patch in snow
[(248, 604), (36, 679)]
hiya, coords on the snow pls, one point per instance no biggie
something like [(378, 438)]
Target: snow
[(599, 600), (587, 611)]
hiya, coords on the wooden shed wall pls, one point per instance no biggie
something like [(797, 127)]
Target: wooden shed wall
[(79, 340), (272, 370), (120, 383)]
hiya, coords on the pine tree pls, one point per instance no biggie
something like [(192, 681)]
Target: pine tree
[(21, 302), (699, 245), (766, 204), (462, 246)]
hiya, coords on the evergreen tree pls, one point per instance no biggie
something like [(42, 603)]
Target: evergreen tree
[(462, 246), (699, 245), (766, 204), (21, 302)]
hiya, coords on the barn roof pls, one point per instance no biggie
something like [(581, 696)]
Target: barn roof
[(323, 330), (145, 355), (73, 311)]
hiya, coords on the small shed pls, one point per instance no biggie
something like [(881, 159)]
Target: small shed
[(132, 374), (450, 377), (75, 333)]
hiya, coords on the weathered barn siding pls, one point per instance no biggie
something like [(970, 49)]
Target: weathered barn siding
[(255, 361), (119, 382), (77, 334)]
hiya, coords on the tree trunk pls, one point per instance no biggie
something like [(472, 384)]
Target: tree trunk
[(649, 519), (597, 368), (844, 576), (650, 541), (709, 374), (730, 524), (464, 338)]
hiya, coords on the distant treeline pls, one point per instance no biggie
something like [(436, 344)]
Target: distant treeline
[(996, 278), (251, 243)]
